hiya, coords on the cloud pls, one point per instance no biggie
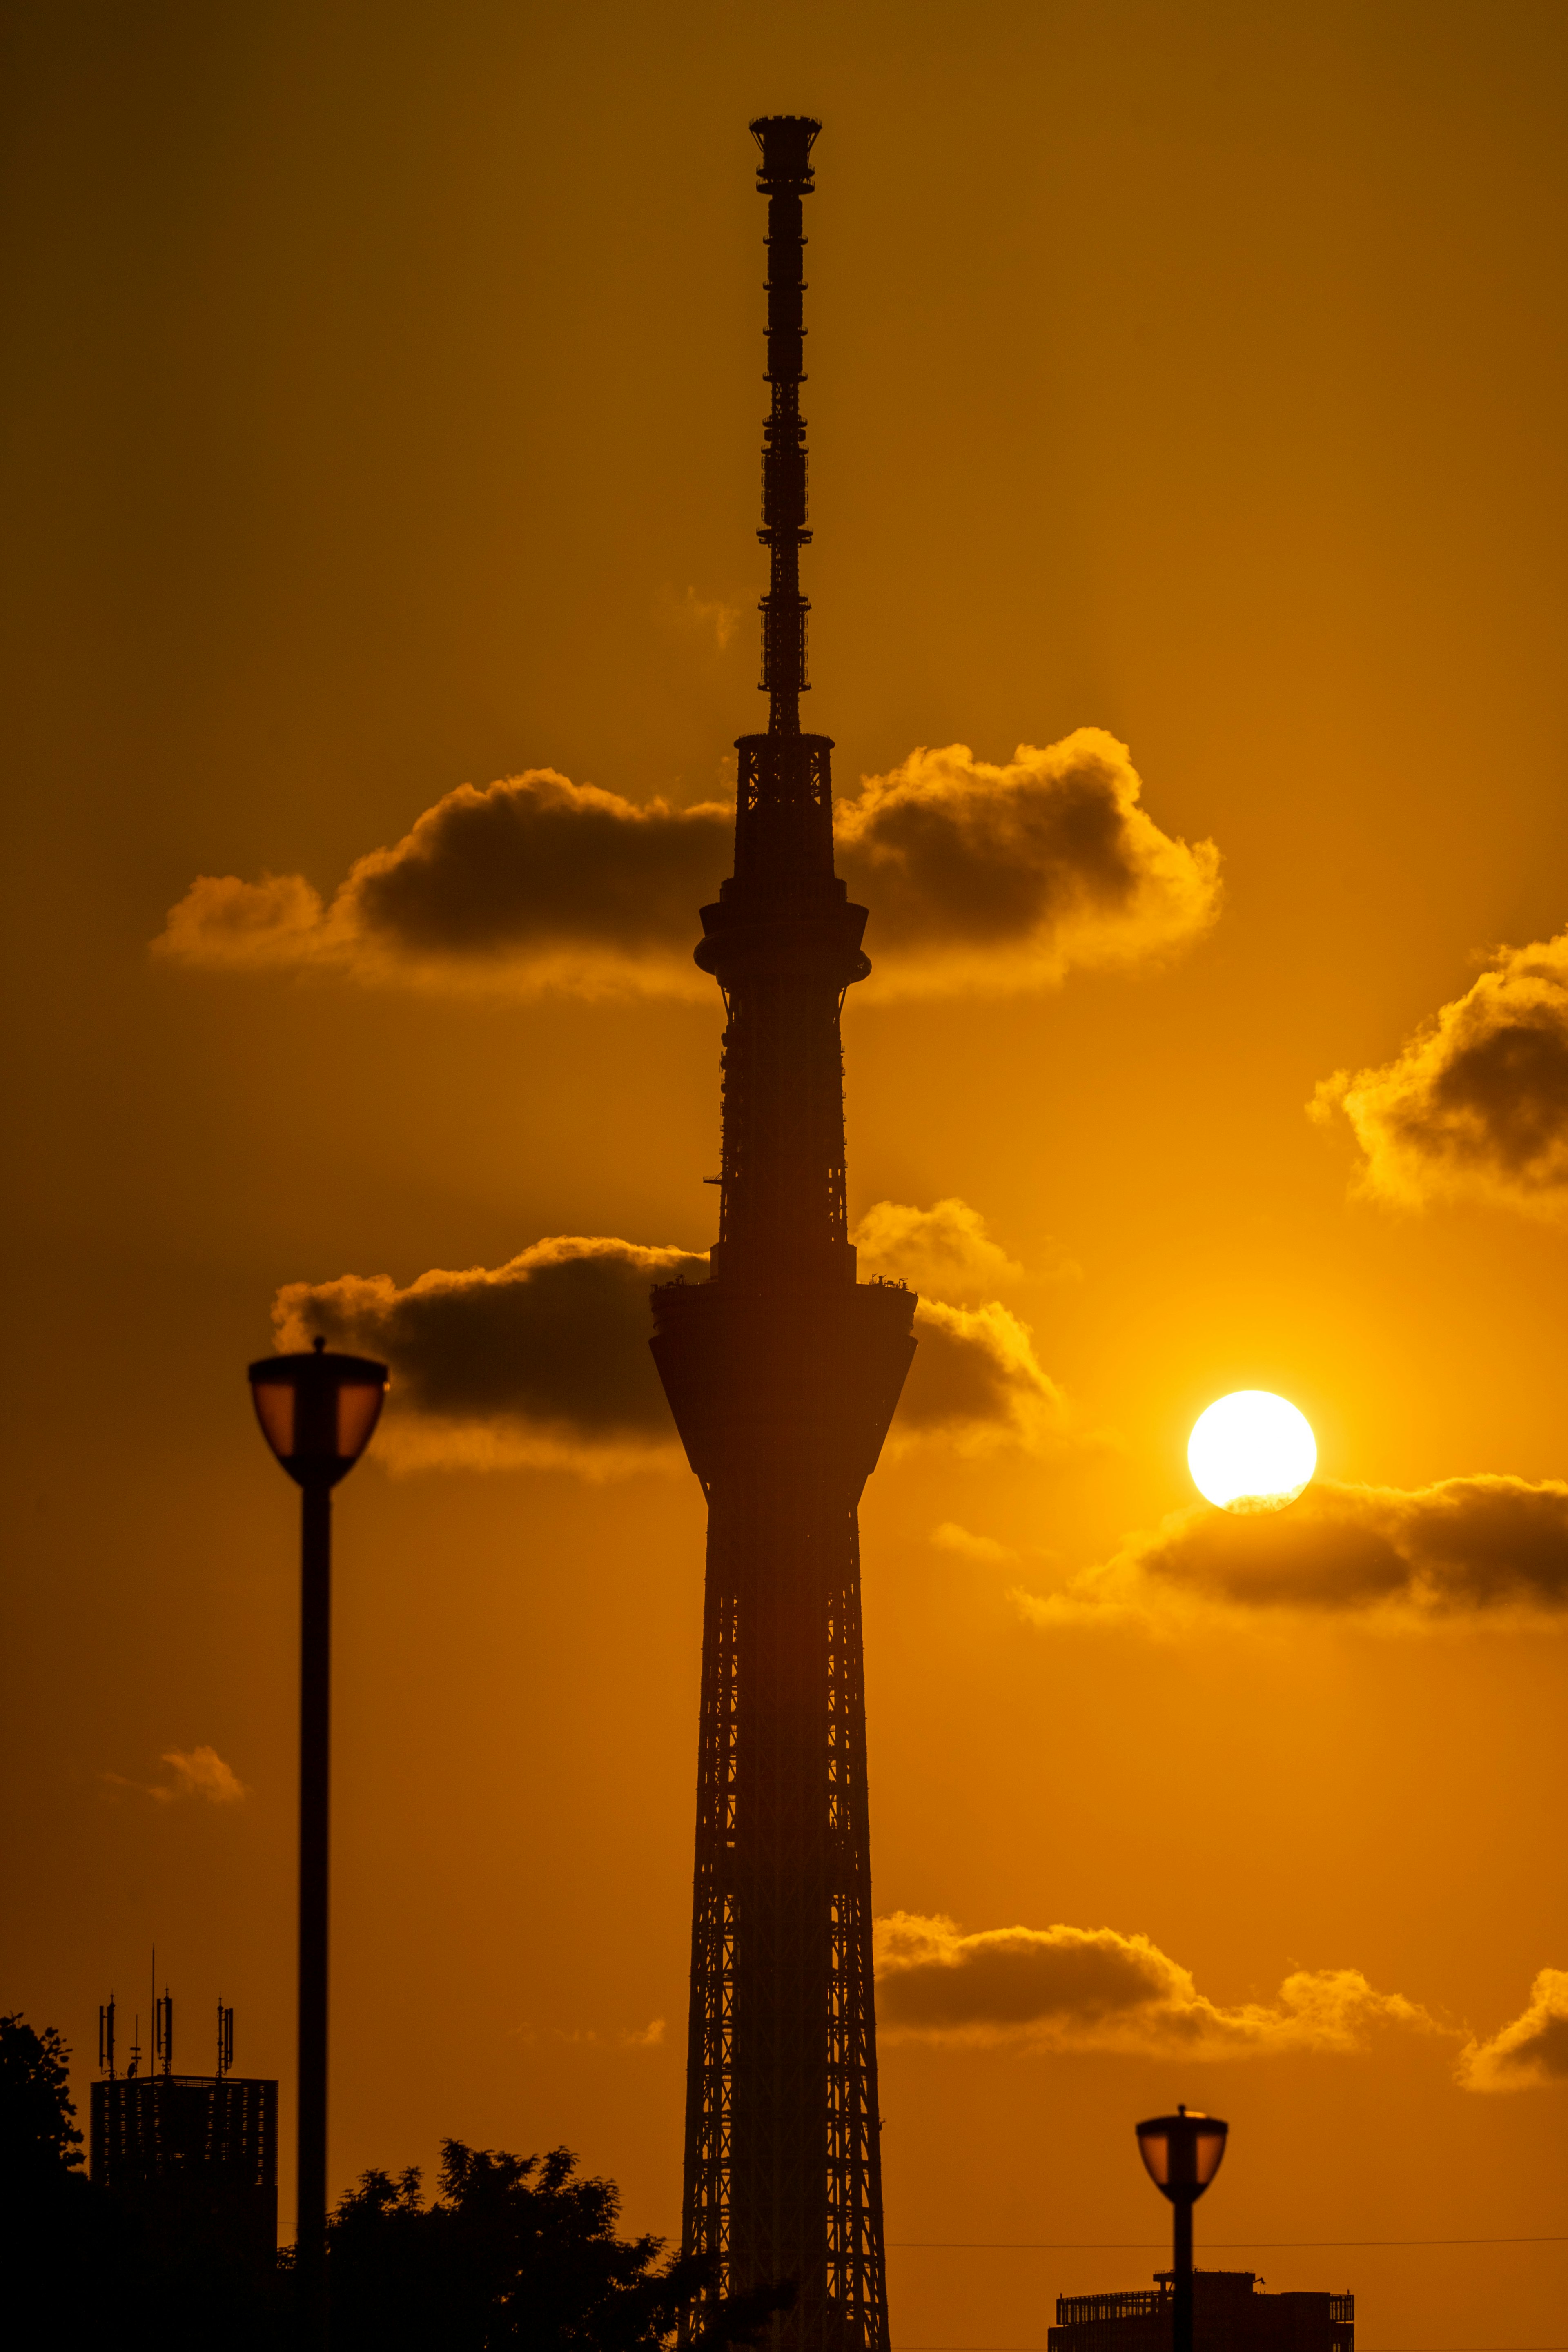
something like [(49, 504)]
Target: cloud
[(945, 1249), (543, 1362), (1475, 1106), (977, 1383), (978, 877), (202, 1772), (197, 1772), (708, 617), (533, 883), (1462, 1552), (1094, 1988), (985, 877), (629, 2037), (950, 1537), (1531, 2051)]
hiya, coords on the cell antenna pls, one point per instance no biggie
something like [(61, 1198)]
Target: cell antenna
[(163, 2030), (106, 2038), (225, 2039)]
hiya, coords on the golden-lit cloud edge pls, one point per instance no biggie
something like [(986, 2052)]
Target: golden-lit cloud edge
[(198, 1773), (980, 877), (1059, 1989), (1475, 1105), (544, 1363), (1531, 2052), (1462, 1553)]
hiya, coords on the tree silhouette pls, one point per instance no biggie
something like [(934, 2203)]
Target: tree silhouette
[(40, 2142), (515, 2251)]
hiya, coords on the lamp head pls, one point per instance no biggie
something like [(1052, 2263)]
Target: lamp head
[(317, 1411), (1181, 2152)]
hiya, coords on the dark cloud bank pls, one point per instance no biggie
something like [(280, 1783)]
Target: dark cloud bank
[(545, 1361), (1065, 1987), (978, 877), (1461, 1549)]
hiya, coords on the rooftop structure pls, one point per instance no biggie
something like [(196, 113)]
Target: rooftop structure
[(1230, 2313), (192, 2154)]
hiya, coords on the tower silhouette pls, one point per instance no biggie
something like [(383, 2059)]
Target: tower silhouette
[(782, 1373)]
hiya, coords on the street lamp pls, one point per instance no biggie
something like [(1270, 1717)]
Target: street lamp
[(1182, 2154), (317, 1413)]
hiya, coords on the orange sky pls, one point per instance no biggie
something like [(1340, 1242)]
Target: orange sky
[(386, 420)]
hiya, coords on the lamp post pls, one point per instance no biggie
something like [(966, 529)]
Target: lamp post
[(317, 1413), (1182, 2154)]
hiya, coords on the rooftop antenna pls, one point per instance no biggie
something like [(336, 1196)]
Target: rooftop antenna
[(106, 2038), (225, 2039), (163, 2030), (136, 2066)]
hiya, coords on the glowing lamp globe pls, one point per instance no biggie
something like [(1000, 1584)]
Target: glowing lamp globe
[(1181, 2152), (317, 1411), (1251, 1452)]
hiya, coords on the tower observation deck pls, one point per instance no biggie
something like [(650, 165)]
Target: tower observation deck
[(782, 1373)]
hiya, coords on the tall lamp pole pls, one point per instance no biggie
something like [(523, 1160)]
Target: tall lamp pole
[(317, 1413), (1182, 2154)]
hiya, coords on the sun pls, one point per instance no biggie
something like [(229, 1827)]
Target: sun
[(1251, 1452)]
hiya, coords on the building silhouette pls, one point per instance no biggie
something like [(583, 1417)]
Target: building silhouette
[(195, 2157), (782, 1372), (1230, 2313)]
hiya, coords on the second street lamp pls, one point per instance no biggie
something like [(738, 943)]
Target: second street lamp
[(317, 1413), (1182, 2154)]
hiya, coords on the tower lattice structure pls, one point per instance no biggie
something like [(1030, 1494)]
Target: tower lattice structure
[(782, 1372)]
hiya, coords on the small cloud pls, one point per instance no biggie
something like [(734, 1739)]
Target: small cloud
[(714, 618), (1532, 2052), (945, 1249), (197, 1772), (977, 876), (950, 1537), (202, 1772), (1475, 1105), (977, 1383), (647, 2037), (630, 2037), (222, 920), (1464, 1550), (1095, 1988)]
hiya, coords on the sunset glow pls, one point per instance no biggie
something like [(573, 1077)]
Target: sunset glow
[(1169, 706), (1251, 1452)]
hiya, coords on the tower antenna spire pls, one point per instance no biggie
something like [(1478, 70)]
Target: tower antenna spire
[(785, 177)]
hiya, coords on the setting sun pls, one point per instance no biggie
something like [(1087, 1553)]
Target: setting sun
[(1251, 1452)]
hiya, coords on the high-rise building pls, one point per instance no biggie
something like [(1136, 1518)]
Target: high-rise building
[(782, 1372), (195, 2155), (1230, 2313)]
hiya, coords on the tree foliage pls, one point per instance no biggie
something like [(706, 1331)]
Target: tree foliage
[(516, 2250), (40, 2142)]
